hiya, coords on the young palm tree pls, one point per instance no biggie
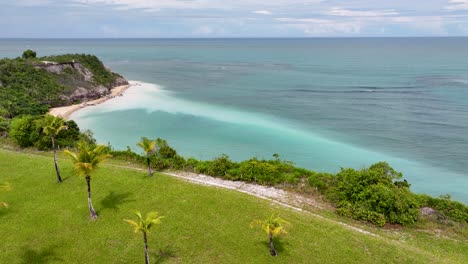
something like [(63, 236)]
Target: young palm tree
[(273, 226), (53, 125), (3, 188), (148, 147), (144, 225), (86, 160)]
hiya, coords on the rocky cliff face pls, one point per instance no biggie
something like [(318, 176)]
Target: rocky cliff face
[(79, 81)]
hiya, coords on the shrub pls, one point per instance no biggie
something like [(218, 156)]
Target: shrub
[(219, 166), (26, 131), (29, 54), (370, 194), (21, 129)]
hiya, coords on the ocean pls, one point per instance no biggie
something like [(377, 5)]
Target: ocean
[(323, 103)]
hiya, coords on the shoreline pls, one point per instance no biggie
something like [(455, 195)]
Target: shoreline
[(66, 111)]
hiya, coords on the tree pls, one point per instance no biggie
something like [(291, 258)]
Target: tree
[(52, 126), (148, 147), (29, 54), (273, 226), (3, 188), (86, 160), (144, 225)]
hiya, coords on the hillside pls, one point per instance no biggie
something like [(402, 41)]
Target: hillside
[(49, 223), (31, 85)]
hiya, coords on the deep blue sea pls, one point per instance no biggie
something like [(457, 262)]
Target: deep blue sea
[(322, 103)]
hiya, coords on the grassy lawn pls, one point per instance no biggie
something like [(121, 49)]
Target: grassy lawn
[(49, 223)]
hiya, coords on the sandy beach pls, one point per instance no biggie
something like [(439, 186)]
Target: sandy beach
[(66, 111)]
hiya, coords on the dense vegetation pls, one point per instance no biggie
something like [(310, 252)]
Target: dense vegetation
[(48, 222), (376, 194), (100, 74), (27, 90), (27, 131)]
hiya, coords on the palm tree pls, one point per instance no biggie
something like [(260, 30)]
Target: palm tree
[(3, 188), (148, 147), (273, 226), (144, 225), (86, 160), (53, 125)]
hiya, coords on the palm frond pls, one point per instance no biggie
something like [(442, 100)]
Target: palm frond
[(147, 145), (145, 224), (272, 225), (87, 158), (53, 125)]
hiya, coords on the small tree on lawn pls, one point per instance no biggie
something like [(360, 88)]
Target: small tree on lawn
[(52, 126), (148, 147), (86, 160), (273, 226), (144, 225)]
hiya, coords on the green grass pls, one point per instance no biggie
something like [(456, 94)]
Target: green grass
[(49, 223)]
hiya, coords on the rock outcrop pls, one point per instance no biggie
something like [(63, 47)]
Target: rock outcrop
[(79, 81)]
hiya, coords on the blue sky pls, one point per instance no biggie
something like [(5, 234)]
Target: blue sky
[(231, 18)]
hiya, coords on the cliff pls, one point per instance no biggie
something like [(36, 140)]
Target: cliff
[(30, 85), (79, 81)]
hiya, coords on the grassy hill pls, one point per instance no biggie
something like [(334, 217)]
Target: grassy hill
[(49, 223)]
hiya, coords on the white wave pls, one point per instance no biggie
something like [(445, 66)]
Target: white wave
[(153, 98), (462, 81)]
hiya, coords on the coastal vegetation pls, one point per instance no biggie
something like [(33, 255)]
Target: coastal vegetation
[(86, 160), (30, 85), (47, 223), (144, 226), (148, 147), (273, 227), (52, 127), (378, 194)]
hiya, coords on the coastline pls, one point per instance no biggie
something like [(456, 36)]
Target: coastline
[(66, 111)]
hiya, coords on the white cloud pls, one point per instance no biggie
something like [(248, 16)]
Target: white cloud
[(314, 26), (338, 11), (457, 5), (262, 12), (207, 30), (32, 2), (156, 5)]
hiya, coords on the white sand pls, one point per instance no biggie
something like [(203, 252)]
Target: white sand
[(66, 111)]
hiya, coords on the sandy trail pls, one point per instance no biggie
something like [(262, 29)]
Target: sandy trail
[(66, 111)]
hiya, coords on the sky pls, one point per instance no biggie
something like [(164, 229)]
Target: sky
[(231, 18)]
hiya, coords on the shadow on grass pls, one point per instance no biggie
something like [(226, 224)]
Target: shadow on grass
[(278, 244), (162, 255), (4, 211), (112, 201), (45, 255)]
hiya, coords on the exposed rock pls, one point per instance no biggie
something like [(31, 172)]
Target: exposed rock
[(427, 211), (79, 81)]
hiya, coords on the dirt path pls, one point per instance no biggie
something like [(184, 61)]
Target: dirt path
[(278, 196)]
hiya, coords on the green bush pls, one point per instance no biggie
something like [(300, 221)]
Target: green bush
[(21, 129), (369, 194), (322, 181), (26, 131), (219, 166), (29, 54)]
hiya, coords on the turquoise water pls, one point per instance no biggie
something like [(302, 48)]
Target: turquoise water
[(322, 103)]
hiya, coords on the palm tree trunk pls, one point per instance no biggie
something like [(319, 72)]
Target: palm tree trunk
[(59, 179), (147, 261), (149, 166), (92, 212), (272, 247)]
